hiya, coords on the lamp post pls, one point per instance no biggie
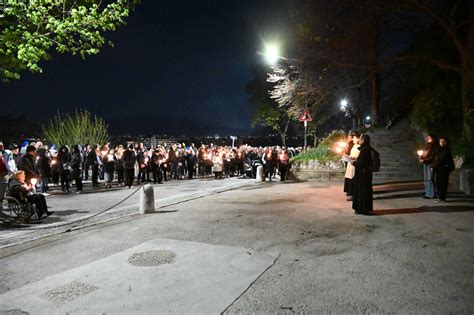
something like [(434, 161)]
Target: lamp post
[(344, 107), (233, 140), (272, 55)]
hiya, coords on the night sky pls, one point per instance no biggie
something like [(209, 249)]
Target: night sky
[(178, 67)]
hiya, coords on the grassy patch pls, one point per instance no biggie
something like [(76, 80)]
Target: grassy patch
[(322, 153)]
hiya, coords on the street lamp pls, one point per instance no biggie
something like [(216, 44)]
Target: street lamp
[(233, 139), (272, 55), (344, 107)]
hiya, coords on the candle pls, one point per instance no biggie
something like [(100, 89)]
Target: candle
[(34, 181), (419, 152)]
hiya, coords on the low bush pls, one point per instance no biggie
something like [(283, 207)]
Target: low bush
[(322, 153)]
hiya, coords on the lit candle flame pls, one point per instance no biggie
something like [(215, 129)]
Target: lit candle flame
[(419, 152), (338, 150), (34, 181)]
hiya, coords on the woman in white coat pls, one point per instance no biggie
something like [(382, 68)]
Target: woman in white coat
[(350, 171)]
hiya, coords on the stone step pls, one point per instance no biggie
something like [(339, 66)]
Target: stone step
[(393, 180), (400, 160), (399, 169)]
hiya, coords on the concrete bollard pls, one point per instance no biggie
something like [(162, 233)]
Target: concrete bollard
[(260, 177), (147, 199)]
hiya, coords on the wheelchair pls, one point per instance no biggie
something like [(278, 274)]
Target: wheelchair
[(13, 210)]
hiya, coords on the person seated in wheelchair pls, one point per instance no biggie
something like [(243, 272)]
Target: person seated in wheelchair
[(22, 192)]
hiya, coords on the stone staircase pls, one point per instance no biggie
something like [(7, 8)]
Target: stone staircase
[(397, 148)]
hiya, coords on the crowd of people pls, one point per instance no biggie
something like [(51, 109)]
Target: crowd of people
[(436, 158), (125, 166), (35, 166)]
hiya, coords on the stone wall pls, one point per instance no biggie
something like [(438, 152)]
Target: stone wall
[(317, 171), (462, 180)]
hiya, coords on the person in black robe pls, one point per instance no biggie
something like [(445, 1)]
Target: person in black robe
[(362, 202)]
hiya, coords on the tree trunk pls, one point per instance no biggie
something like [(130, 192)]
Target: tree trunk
[(374, 99), (375, 86), (284, 132), (467, 94), (467, 80), (283, 139), (360, 110)]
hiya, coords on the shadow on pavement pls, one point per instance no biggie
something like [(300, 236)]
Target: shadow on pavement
[(63, 213), (387, 188), (163, 211), (440, 209), (398, 196)]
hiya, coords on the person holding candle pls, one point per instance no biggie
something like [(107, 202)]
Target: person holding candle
[(269, 160), (283, 161), (155, 167), (350, 170), (427, 157), (108, 162), (20, 190), (119, 166)]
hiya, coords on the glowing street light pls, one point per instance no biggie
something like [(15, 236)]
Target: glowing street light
[(272, 54), (344, 104)]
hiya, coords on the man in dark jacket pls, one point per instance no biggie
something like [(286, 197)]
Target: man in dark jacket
[(28, 164), (129, 159), (428, 157), (44, 169), (191, 160), (362, 201), (93, 163), (76, 163), (442, 165)]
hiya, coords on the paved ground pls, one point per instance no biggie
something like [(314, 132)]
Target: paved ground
[(305, 251), (72, 211)]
